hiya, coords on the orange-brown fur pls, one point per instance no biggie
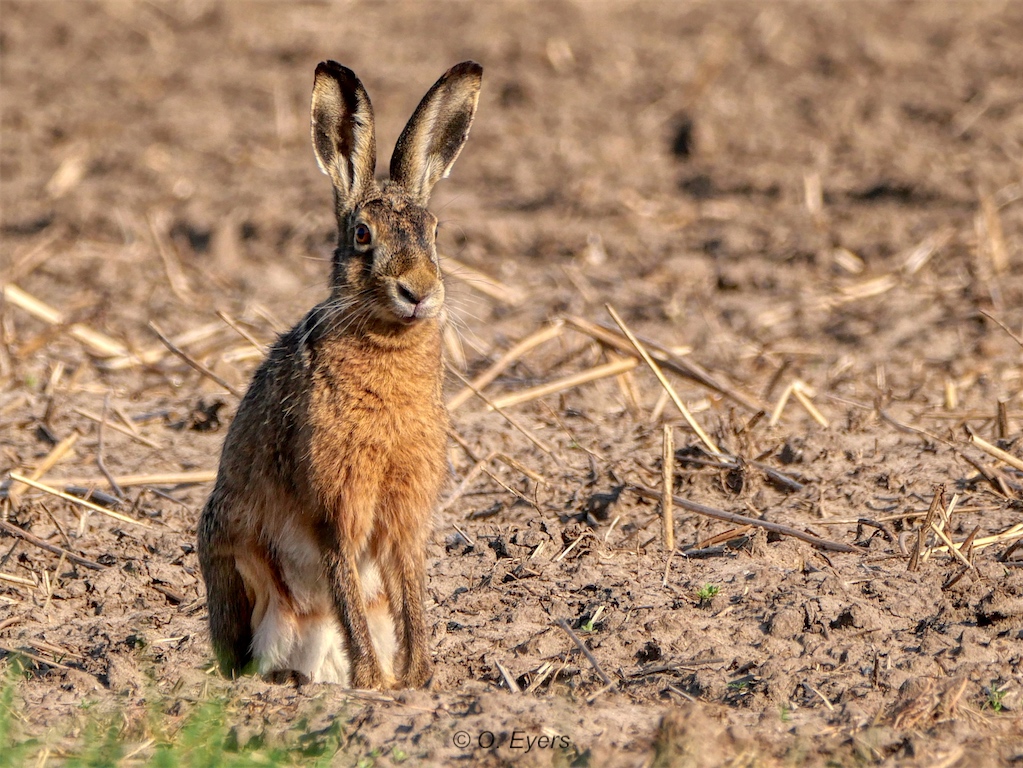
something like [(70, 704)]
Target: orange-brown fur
[(313, 540)]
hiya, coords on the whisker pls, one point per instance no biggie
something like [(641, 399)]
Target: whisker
[(465, 332), (456, 196), (333, 309)]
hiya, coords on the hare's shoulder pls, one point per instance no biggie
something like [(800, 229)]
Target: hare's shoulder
[(288, 365)]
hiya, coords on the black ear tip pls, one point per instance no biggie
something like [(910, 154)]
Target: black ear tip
[(328, 66), (337, 71), (467, 68)]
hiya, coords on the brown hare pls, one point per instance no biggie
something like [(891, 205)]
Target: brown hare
[(313, 541)]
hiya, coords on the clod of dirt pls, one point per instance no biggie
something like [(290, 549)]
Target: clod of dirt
[(500, 547), (735, 480), (788, 622), (790, 454), (203, 417), (651, 651), (683, 145), (455, 541)]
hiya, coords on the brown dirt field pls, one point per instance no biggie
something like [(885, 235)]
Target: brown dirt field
[(830, 193)]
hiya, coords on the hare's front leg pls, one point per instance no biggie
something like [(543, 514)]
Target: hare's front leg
[(403, 567), (350, 607)]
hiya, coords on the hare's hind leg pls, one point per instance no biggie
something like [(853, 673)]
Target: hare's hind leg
[(228, 600), (230, 611)]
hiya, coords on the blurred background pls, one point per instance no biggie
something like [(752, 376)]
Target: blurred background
[(698, 164)]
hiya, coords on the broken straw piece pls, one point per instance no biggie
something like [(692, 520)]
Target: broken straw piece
[(99, 343)]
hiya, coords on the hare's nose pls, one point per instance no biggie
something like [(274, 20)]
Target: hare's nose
[(409, 294)]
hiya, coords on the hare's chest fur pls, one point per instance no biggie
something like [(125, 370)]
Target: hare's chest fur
[(379, 430)]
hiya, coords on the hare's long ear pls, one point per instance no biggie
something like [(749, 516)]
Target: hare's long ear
[(344, 137), (435, 133)]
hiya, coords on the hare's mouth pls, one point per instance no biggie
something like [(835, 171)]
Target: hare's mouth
[(410, 305)]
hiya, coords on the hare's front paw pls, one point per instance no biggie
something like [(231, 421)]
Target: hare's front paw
[(368, 676), (418, 674), (286, 677)]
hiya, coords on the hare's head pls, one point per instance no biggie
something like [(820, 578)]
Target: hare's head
[(386, 263)]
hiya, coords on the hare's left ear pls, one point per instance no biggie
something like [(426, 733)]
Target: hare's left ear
[(435, 133), (344, 137)]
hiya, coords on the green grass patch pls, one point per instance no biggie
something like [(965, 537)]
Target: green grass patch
[(203, 738)]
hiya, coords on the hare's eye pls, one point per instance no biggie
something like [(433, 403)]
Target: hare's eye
[(362, 235)]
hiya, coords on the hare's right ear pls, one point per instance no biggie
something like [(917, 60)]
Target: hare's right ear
[(435, 133), (344, 138)]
